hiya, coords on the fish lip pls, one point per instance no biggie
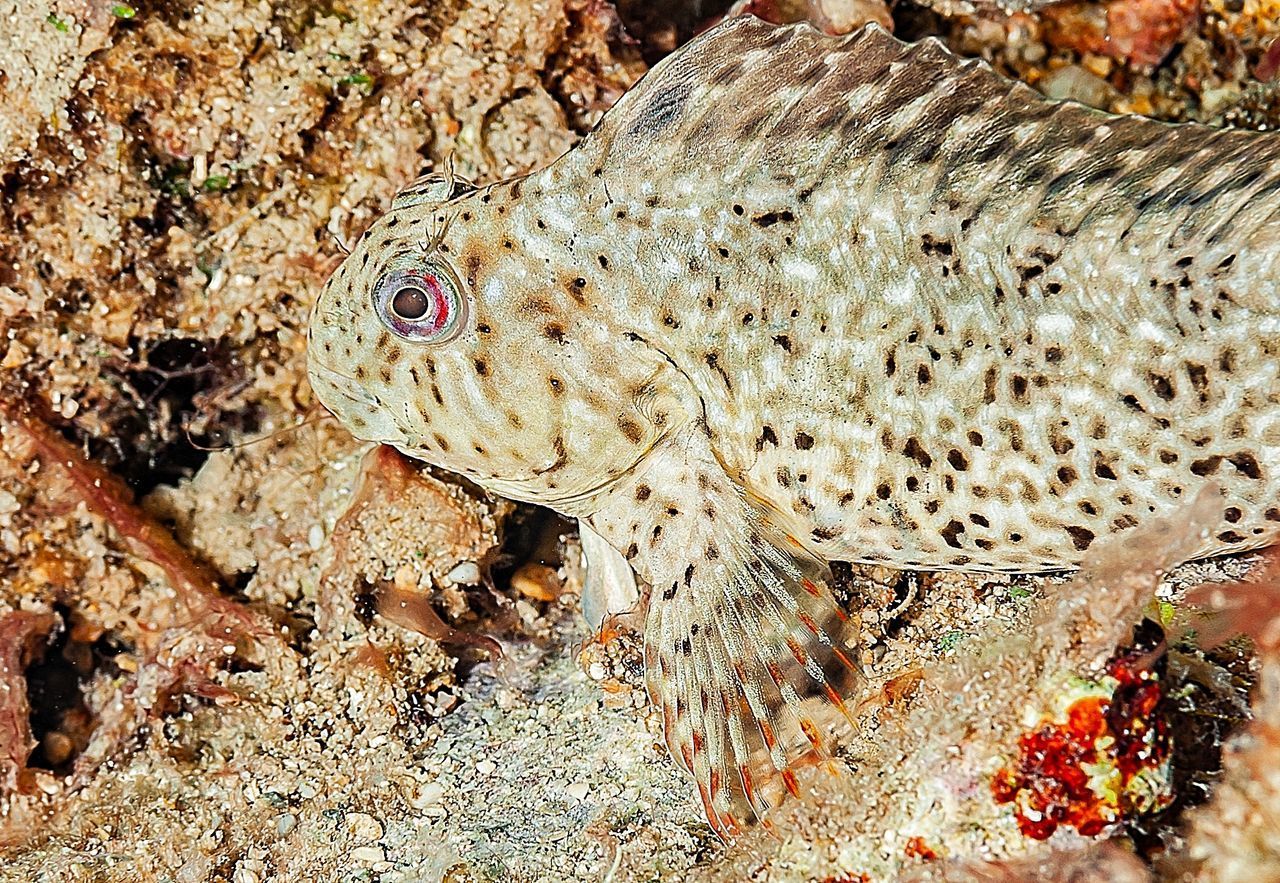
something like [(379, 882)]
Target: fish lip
[(333, 380)]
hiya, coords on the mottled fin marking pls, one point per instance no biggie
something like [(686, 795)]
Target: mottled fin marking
[(787, 104), (760, 689)]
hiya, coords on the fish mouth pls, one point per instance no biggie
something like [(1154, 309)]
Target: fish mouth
[(325, 379)]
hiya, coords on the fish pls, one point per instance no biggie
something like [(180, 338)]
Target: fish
[(800, 299)]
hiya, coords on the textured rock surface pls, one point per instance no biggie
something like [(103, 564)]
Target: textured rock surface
[(174, 177)]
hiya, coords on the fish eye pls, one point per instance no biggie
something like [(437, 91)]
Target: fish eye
[(421, 302), (410, 303)]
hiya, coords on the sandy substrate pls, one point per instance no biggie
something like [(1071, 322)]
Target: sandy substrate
[(276, 668)]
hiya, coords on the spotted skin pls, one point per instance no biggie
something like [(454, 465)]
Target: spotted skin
[(802, 299)]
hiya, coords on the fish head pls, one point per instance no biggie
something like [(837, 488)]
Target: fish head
[(450, 334)]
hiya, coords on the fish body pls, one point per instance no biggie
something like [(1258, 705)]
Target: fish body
[(800, 299)]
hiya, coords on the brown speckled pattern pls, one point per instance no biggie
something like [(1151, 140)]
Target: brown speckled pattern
[(802, 299)]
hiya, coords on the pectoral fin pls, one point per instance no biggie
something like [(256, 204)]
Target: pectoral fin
[(748, 666), (747, 655), (610, 584)]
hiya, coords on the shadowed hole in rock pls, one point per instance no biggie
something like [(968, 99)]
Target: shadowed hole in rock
[(171, 384), (1204, 703), (61, 722), (663, 25)]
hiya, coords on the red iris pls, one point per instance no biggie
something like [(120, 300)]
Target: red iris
[(417, 304)]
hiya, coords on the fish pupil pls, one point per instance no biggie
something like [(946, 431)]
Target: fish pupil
[(410, 303)]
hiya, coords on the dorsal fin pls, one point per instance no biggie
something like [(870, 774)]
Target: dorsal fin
[(788, 94), (751, 99)]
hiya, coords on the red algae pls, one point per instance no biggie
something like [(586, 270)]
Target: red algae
[(1105, 758), (194, 582), (21, 633)]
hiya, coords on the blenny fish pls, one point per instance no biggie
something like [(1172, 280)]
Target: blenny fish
[(801, 299)]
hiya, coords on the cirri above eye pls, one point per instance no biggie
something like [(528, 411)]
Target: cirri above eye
[(421, 303)]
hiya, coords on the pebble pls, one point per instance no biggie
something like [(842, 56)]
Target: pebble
[(285, 824), (368, 854), (424, 795), (486, 767), (578, 791), (536, 581), (465, 574), (363, 827), (1076, 83)]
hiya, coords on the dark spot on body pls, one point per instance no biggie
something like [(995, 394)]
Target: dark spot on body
[(713, 362), (1246, 464), (915, 451), (630, 429), (1018, 386), (768, 219), (1206, 466), (951, 533), (1081, 537)]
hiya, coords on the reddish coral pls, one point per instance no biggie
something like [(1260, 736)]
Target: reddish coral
[(1087, 772), (1139, 32), (1269, 64)]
